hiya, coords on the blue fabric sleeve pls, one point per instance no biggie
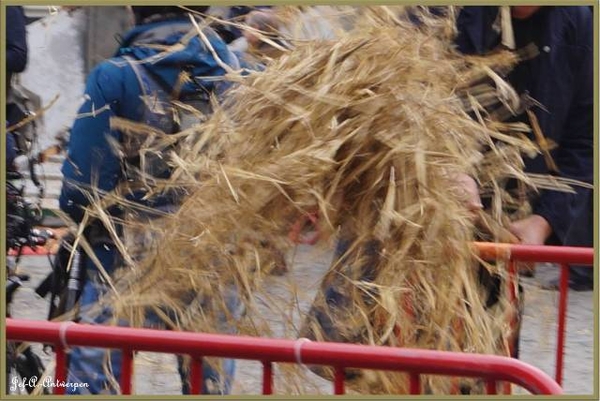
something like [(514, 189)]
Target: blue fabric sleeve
[(16, 39), (90, 159), (11, 150), (575, 154)]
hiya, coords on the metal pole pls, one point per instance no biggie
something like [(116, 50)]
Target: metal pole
[(562, 321)]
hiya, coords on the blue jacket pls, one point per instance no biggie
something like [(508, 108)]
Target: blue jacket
[(561, 79), (16, 61), (16, 39), (112, 89)]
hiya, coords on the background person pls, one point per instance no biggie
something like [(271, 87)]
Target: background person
[(561, 79), (16, 61), (114, 89)]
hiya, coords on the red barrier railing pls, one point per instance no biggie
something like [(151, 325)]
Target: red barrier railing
[(562, 255), (340, 356), (416, 362)]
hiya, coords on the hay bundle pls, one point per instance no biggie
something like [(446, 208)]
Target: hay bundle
[(369, 129)]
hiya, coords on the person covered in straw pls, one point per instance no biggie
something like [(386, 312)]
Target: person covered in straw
[(556, 87), (165, 58), (402, 277)]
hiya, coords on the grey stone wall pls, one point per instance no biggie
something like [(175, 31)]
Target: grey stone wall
[(105, 26)]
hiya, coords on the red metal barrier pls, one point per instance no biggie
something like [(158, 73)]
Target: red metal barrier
[(28, 251), (295, 235), (491, 368), (562, 255), (339, 356)]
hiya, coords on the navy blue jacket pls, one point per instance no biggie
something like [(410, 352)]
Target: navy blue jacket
[(16, 39), (112, 89), (16, 61), (561, 79)]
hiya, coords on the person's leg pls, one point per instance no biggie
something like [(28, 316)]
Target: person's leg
[(581, 233), (581, 278), (95, 368), (11, 151), (217, 380), (334, 301), (492, 283), (516, 337)]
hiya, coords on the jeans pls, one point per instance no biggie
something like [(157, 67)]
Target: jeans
[(337, 301), (88, 366), (11, 150)]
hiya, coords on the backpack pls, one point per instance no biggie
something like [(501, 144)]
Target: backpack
[(161, 111)]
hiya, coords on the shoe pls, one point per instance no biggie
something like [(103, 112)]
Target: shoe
[(581, 287), (527, 273), (526, 269), (554, 285), (278, 266)]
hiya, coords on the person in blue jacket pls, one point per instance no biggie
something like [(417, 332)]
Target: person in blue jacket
[(113, 89), (16, 61), (16, 41), (561, 79), (236, 14)]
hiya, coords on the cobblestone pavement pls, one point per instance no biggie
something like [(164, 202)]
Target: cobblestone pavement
[(156, 373)]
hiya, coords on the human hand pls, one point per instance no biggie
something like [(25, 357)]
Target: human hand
[(469, 190), (261, 20), (70, 9), (532, 230)]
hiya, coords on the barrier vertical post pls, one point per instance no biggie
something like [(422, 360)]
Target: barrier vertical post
[(339, 380), (491, 387), (562, 320), (513, 290), (126, 371), (61, 369), (340, 356), (415, 384), (196, 375), (267, 377)]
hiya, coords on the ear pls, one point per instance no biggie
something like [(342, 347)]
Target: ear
[(130, 15)]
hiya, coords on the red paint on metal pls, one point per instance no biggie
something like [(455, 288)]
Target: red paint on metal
[(126, 371), (562, 321), (339, 377), (267, 378), (295, 232), (489, 367), (283, 350), (61, 366), (536, 253), (491, 387), (37, 251), (415, 383), (196, 375)]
